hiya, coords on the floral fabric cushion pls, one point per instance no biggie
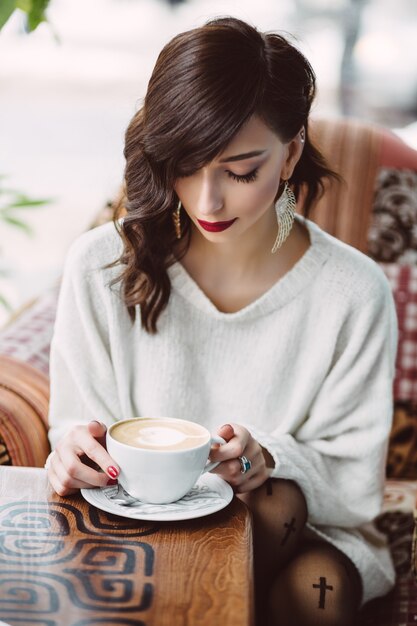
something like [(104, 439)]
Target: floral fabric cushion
[(392, 234)]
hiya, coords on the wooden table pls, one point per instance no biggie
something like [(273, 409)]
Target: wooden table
[(64, 562)]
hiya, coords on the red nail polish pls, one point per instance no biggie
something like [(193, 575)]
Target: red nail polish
[(112, 472), (112, 481)]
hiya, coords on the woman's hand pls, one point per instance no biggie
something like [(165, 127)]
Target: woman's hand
[(66, 470), (239, 443)]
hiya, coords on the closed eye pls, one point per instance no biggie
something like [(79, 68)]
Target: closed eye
[(244, 178)]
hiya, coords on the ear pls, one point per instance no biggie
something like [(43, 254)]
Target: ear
[(294, 151)]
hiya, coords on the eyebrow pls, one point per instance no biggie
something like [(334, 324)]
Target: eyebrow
[(241, 157)]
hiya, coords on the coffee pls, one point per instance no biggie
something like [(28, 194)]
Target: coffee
[(160, 458), (160, 434)]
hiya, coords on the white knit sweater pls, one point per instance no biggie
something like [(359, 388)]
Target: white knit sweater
[(307, 368)]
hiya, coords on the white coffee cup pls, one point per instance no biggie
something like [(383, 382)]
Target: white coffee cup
[(160, 459)]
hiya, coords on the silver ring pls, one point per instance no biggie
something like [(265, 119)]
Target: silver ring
[(245, 464)]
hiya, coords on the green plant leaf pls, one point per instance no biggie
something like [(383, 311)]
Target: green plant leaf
[(6, 9), (13, 221), (24, 5), (26, 203), (36, 14)]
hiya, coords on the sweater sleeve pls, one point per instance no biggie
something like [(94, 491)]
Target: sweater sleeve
[(338, 454), (80, 364)]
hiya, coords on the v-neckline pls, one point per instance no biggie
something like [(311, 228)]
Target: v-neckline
[(283, 290)]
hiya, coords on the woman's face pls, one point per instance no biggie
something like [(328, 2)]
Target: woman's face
[(234, 194)]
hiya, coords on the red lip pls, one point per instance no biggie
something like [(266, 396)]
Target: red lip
[(216, 227)]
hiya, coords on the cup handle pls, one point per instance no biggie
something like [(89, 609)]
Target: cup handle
[(213, 464)]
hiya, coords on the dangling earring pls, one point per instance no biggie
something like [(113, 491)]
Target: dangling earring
[(176, 216), (285, 210)]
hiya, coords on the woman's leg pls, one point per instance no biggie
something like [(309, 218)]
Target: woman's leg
[(279, 514), (320, 586)]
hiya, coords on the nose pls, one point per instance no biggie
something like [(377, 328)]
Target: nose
[(210, 197)]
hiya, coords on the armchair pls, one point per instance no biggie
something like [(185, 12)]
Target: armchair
[(375, 210)]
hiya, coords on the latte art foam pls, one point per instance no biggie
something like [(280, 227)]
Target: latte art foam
[(160, 434)]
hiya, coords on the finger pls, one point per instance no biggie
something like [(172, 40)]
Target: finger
[(97, 429), (72, 476), (253, 449), (252, 446), (226, 431), (251, 483), (56, 485), (253, 453), (87, 444), (230, 450), (231, 471), (228, 469), (61, 484), (77, 471)]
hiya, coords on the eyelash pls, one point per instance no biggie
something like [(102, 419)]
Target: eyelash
[(246, 178)]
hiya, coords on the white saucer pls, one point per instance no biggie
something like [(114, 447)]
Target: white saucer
[(210, 494)]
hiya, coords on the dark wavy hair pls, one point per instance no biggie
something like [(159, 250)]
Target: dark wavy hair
[(206, 83)]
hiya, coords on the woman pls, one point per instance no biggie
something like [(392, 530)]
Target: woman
[(232, 311)]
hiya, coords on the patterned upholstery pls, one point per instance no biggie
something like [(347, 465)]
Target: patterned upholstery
[(402, 451), (398, 608), (402, 457), (403, 280), (28, 338), (392, 234)]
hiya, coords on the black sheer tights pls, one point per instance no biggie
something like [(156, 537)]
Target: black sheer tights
[(298, 581)]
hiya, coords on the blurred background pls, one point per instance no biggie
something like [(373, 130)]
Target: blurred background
[(69, 87)]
